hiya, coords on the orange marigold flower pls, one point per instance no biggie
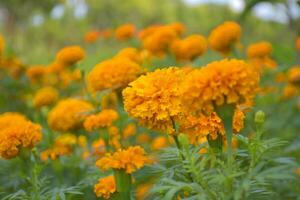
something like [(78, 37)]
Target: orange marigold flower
[(17, 132), (160, 40), (298, 43), (189, 48), (148, 31), (294, 75), (125, 32), (68, 114), (105, 187), (220, 82), (238, 120), (2, 45), (159, 143), (45, 96), (143, 138), (55, 67), (70, 55), (130, 53), (36, 73), (98, 148), (103, 119), (154, 98), (129, 130), (91, 36), (112, 74), (55, 152), (178, 27), (129, 160), (224, 36)]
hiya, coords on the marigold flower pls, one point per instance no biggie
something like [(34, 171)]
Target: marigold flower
[(143, 138), (224, 36), (159, 143), (66, 139), (298, 43), (160, 40), (45, 96), (82, 141), (13, 66), (70, 55), (125, 32), (103, 119), (238, 120), (105, 187), (178, 27), (2, 45), (55, 67), (189, 48), (130, 53), (227, 81), (148, 31), (55, 152), (114, 73), (129, 130), (17, 132), (294, 75), (68, 114), (91, 36), (142, 190), (98, 148), (129, 160), (154, 98), (290, 91), (36, 73)]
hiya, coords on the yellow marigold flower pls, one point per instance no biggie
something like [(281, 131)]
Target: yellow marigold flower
[(2, 45), (178, 27), (109, 101), (45, 96), (142, 190), (154, 98), (129, 160), (226, 81), (66, 139), (16, 132), (298, 43), (290, 91), (143, 138), (294, 75), (201, 126), (160, 40), (125, 32), (129, 130), (55, 152), (103, 119), (130, 53), (238, 120), (113, 74), (91, 36), (68, 114), (105, 187), (70, 55), (260, 54), (189, 48), (224, 37), (82, 141), (98, 148), (36, 73), (159, 143)]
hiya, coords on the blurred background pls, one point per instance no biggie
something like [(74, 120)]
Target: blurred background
[(35, 29)]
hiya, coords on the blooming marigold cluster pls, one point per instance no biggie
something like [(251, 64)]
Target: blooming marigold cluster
[(103, 119), (160, 40), (125, 32), (36, 73), (224, 37), (45, 96), (70, 55), (189, 48), (260, 54), (112, 74), (17, 132), (128, 160), (154, 98), (105, 187), (130, 53), (226, 81), (238, 120), (91, 36), (68, 114)]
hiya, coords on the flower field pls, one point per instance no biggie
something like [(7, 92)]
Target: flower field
[(153, 112)]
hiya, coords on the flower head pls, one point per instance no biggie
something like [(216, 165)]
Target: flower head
[(45, 96), (129, 130), (17, 132), (2, 45), (260, 54), (105, 187), (238, 120), (91, 36), (129, 160), (189, 48), (125, 32), (36, 73), (294, 75), (178, 27), (103, 119), (113, 74), (159, 143), (224, 36), (70, 55), (154, 98), (130, 53), (68, 114)]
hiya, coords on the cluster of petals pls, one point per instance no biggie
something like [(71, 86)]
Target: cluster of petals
[(45, 96), (105, 187), (103, 119)]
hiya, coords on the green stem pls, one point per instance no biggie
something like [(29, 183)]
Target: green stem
[(105, 136), (123, 184)]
